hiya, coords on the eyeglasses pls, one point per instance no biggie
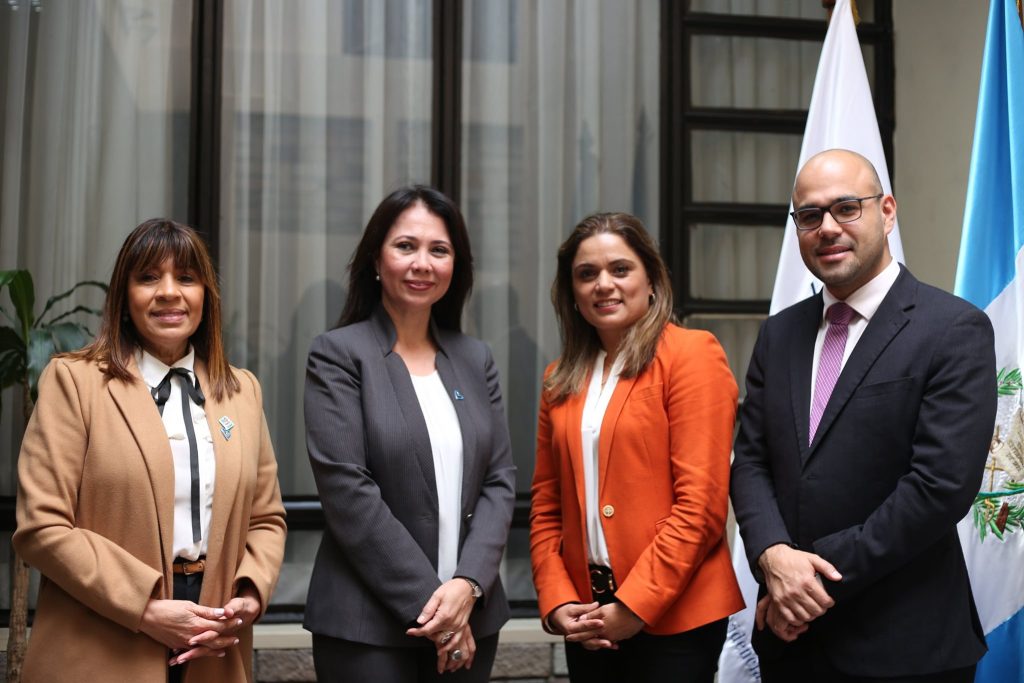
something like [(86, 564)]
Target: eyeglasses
[(843, 211)]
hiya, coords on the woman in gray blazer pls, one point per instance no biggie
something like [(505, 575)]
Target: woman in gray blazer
[(409, 447)]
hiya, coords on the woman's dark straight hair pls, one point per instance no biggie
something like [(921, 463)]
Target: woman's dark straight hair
[(364, 291)]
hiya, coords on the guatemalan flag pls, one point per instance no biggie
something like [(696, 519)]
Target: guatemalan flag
[(841, 114), (990, 274)]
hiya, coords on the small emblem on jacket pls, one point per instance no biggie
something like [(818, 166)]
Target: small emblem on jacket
[(226, 425), (458, 395)]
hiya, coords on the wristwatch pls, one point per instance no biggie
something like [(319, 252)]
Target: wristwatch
[(478, 592)]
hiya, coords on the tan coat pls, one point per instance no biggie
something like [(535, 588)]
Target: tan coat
[(95, 516)]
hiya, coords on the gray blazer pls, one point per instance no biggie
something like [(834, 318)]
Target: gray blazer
[(370, 452)]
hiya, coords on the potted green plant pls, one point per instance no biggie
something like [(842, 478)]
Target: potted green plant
[(26, 346)]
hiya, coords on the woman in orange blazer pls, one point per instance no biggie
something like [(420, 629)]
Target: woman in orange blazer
[(630, 491)]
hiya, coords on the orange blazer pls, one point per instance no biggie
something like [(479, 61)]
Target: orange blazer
[(663, 490)]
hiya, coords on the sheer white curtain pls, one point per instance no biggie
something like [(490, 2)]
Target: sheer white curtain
[(96, 126), (94, 129), (94, 101), (326, 109), (560, 119)]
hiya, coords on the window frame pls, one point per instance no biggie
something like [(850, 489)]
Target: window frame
[(678, 120)]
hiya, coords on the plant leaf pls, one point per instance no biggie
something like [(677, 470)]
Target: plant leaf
[(23, 296), (40, 349), (63, 295), (10, 341), (3, 311), (1008, 382), (12, 368), (77, 309), (11, 372), (67, 336), (12, 358)]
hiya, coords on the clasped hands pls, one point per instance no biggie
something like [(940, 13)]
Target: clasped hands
[(192, 631), (796, 595), (445, 621), (595, 626)]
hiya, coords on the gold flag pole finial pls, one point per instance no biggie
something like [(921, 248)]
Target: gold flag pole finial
[(1020, 12), (831, 5)]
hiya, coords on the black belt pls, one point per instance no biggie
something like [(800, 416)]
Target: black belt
[(602, 583)]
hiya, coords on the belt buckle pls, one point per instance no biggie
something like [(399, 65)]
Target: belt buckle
[(193, 567), (601, 581)]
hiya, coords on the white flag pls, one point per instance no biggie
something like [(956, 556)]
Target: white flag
[(841, 115)]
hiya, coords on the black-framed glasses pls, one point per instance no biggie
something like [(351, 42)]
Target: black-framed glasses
[(843, 211)]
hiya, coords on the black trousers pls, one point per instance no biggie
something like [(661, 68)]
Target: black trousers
[(341, 661), (185, 588), (688, 657), (806, 662)]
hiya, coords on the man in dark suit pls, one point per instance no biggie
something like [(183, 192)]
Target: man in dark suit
[(862, 442)]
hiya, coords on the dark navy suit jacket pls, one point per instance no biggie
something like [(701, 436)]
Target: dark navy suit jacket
[(895, 464)]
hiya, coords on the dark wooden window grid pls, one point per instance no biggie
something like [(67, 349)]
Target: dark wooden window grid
[(679, 119)]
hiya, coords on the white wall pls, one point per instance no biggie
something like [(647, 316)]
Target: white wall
[(938, 46)]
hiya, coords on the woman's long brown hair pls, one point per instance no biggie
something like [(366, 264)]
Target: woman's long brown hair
[(580, 343)]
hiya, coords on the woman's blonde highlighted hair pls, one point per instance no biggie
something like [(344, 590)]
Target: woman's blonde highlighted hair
[(580, 343)]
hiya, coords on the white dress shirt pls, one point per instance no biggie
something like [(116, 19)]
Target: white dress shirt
[(865, 302), (446, 448), (593, 415), (153, 372)]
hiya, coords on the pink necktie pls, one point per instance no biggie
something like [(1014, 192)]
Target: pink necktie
[(839, 316)]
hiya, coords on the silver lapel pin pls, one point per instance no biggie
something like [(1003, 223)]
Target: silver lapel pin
[(226, 425), (458, 395)]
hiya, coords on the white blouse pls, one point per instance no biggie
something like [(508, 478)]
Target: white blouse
[(446, 447), (593, 414), (153, 373)]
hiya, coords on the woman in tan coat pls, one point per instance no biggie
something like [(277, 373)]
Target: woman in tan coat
[(148, 495)]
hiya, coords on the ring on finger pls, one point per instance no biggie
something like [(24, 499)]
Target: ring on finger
[(446, 636), (456, 655)]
